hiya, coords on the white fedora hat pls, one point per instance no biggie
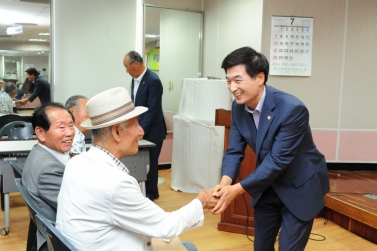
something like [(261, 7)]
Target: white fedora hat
[(111, 107)]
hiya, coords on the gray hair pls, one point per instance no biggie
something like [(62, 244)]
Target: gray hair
[(134, 56), (72, 101), (9, 87), (101, 134)]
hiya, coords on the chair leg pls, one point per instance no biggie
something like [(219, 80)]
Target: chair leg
[(2, 194), (32, 235)]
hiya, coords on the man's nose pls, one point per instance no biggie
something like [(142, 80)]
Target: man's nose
[(232, 87)]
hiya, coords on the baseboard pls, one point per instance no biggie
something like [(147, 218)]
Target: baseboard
[(164, 166), (352, 166)]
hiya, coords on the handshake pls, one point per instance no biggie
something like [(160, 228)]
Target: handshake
[(23, 101), (219, 197), (207, 199)]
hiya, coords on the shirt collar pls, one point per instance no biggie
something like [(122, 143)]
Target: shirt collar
[(62, 157), (260, 103), (117, 162), (141, 76)]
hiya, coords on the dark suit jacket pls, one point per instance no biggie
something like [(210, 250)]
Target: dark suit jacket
[(42, 90), (287, 158), (42, 177), (149, 94)]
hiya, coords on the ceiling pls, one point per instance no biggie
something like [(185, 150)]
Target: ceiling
[(34, 17)]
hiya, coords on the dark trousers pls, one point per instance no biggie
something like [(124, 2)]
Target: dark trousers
[(270, 215), (152, 177)]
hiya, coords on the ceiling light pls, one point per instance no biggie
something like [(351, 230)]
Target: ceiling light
[(44, 34), (37, 40), (152, 35), (12, 30)]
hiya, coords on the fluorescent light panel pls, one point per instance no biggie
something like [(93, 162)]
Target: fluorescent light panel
[(13, 30), (37, 40), (152, 35)]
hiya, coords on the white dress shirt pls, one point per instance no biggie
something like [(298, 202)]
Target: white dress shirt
[(137, 83)]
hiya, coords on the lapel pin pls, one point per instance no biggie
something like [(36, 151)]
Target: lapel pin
[(143, 82), (269, 117)]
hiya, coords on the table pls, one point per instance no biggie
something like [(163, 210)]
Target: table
[(17, 151)]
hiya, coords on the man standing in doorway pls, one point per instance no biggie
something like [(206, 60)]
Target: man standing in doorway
[(146, 90)]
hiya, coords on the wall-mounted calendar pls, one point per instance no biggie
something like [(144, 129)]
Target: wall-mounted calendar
[(291, 46)]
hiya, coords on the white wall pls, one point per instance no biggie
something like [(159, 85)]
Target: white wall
[(229, 25), (179, 53), (90, 39)]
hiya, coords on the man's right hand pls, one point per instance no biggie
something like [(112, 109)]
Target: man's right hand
[(207, 200)]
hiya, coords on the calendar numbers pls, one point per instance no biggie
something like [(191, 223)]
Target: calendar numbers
[(291, 46)]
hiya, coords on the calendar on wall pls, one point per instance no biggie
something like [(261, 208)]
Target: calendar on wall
[(291, 46)]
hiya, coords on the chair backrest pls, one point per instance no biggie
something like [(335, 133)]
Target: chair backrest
[(16, 169), (17, 130), (7, 118), (33, 209), (54, 238)]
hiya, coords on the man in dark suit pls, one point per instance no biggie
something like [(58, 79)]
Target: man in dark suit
[(290, 177), (44, 166), (146, 90), (42, 87)]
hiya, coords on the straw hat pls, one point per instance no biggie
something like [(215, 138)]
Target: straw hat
[(111, 107)]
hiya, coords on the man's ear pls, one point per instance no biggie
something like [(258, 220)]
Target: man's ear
[(260, 77), (40, 133), (115, 132), (71, 110)]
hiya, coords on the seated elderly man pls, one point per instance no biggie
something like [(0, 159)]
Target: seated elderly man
[(77, 106), (6, 98), (101, 206), (44, 166)]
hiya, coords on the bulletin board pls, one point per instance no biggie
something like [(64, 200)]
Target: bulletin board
[(154, 60), (291, 46)]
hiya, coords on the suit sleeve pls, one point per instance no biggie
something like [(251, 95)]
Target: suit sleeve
[(279, 150), (154, 101), (235, 152), (37, 90), (50, 180)]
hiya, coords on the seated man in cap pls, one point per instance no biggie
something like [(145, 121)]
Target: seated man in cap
[(101, 206), (44, 166), (42, 87)]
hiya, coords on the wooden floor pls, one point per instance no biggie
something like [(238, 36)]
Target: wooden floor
[(206, 238)]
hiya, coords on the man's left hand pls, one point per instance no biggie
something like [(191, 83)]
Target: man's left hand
[(226, 195)]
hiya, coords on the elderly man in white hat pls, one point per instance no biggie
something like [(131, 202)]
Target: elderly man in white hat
[(100, 206)]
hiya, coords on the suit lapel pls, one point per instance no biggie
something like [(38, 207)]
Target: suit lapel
[(266, 118), (132, 90)]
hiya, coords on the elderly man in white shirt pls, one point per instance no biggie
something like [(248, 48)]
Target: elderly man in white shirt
[(101, 206), (44, 166)]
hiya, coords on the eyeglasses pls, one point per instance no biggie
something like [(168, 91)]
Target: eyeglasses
[(129, 64)]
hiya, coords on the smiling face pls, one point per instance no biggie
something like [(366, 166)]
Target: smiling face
[(61, 132), (130, 136), (245, 89)]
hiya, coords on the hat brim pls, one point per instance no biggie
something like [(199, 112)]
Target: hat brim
[(87, 124)]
